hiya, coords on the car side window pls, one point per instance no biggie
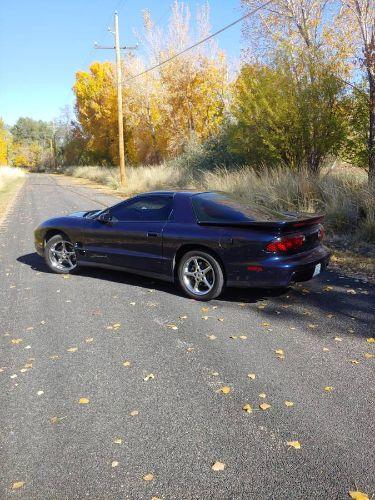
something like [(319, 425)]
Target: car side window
[(145, 208)]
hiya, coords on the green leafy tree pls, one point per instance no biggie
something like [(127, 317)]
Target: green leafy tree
[(282, 115), (355, 148)]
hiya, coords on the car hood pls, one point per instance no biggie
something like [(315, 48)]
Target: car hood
[(87, 214)]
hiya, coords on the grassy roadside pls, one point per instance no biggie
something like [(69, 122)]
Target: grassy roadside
[(352, 263), (8, 188)]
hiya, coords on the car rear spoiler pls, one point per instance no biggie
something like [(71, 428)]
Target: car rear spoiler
[(282, 225)]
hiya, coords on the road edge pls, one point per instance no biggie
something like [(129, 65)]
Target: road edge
[(12, 197)]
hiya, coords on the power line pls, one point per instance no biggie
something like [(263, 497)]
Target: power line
[(200, 41)]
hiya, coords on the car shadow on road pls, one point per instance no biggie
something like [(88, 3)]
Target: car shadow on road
[(328, 295), (247, 296)]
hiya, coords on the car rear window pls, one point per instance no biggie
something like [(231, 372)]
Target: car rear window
[(221, 207)]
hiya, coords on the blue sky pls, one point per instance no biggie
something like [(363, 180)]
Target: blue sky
[(44, 42)]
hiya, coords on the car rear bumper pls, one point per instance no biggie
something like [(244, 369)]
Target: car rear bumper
[(280, 271)]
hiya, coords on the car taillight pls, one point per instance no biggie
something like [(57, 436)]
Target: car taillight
[(286, 244), (321, 232)]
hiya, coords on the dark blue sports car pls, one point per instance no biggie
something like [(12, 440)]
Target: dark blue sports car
[(202, 240)]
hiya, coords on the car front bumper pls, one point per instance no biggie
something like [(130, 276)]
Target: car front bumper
[(39, 247)]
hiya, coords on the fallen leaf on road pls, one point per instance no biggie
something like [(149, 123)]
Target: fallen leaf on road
[(289, 403), (233, 337), (39, 393), (368, 355), (264, 406), (183, 317), (134, 413), (243, 337), (16, 341), (312, 325), (114, 463), (251, 375), (18, 485), (265, 323), (56, 420), (172, 326), (354, 361), (247, 408), (118, 441), (211, 337), (371, 340), (205, 309), (151, 376), (88, 340), (351, 291), (280, 354), (358, 495), (262, 395), (84, 401), (126, 363), (218, 466), (338, 339), (328, 388), (148, 477), (294, 444), (72, 349), (54, 356), (220, 319), (325, 349), (205, 318), (225, 389)]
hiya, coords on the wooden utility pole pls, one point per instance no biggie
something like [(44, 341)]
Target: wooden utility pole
[(117, 49), (119, 104)]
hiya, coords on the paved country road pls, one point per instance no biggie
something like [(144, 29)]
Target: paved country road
[(58, 344)]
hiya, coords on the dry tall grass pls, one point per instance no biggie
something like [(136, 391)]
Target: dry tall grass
[(9, 175), (342, 196)]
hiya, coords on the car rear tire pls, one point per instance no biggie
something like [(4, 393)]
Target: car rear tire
[(200, 275), (60, 255)]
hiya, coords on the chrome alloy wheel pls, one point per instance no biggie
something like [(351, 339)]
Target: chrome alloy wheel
[(198, 275), (62, 256)]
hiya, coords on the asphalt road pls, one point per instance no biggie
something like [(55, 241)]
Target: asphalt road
[(56, 348)]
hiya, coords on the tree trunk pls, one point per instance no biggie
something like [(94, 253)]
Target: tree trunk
[(371, 141)]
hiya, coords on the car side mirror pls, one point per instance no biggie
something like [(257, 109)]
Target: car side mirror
[(105, 217)]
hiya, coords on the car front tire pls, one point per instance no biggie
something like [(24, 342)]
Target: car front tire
[(60, 255), (200, 275)]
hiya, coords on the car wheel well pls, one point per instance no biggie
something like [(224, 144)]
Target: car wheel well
[(54, 232), (188, 248)]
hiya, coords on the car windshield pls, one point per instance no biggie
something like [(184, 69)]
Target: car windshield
[(221, 207)]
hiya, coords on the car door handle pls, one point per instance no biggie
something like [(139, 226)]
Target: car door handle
[(153, 235)]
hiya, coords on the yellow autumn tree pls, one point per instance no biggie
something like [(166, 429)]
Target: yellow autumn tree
[(96, 110), (4, 140), (164, 108)]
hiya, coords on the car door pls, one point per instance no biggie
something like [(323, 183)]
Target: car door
[(132, 238)]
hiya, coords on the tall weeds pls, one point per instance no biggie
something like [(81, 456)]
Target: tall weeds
[(343, 197)]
